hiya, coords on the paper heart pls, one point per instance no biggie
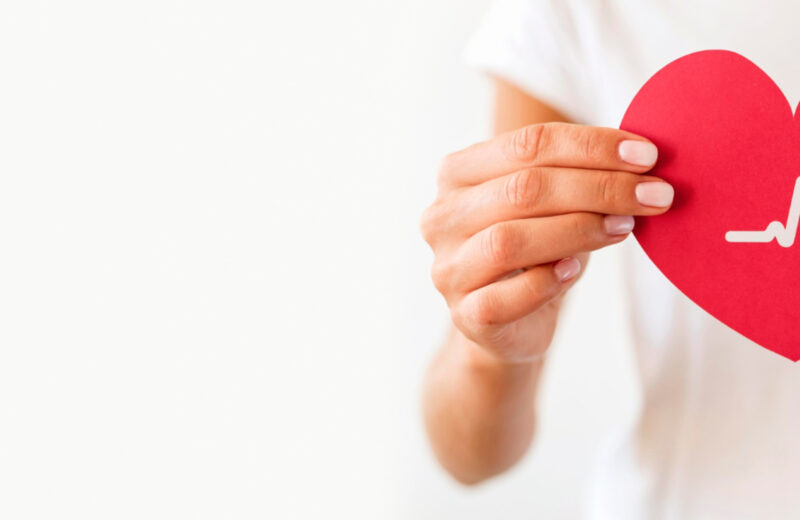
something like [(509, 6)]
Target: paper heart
[(730, 145)]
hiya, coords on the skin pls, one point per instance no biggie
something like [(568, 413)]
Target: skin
[(508, 210)]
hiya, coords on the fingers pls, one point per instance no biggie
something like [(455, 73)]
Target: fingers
[(513, 298), (549, 144), (513, 213), (517, 244), (539, 192)]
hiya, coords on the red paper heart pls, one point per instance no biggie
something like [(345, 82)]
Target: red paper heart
[(730, 145)]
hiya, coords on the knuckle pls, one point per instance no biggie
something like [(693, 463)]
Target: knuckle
[(527, 143), (459, 317), (440, 275), (499, 244), (436, 221), (429, 223), (523, 190), (446, 170), (590, 141), (608, 190)]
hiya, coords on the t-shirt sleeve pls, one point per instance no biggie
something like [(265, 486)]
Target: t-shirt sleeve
[(535, 45)]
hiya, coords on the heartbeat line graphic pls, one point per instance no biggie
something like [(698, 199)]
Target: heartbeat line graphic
[(784, 235)]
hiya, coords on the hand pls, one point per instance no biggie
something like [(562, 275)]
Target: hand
[(516, 216)]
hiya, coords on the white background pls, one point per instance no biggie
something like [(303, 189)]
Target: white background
[(214, 302)]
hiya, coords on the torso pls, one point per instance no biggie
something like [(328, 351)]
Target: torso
[(718, 435)]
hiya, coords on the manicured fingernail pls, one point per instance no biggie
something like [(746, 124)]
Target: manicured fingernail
[(658, 194), (567, 268), (640, 153), (618, 224)]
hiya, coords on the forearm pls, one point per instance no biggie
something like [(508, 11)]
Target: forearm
[(485, 223), (479, 411)]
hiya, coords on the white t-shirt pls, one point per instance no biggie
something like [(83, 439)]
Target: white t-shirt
[(718, 433)]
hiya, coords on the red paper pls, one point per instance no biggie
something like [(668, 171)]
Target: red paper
[(730, 145)]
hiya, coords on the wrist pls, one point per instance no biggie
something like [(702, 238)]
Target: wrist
[(480, 358), (501, 384)]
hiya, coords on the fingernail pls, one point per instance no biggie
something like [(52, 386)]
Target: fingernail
[(658, 194), (618, 224), (640, 153), (567, 268)]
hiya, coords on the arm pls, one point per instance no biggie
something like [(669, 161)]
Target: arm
[(522, 211), (480, 411)]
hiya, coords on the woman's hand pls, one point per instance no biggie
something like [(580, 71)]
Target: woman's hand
[(514, 220)]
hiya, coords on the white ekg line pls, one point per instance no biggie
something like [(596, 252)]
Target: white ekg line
[(784, 235)]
